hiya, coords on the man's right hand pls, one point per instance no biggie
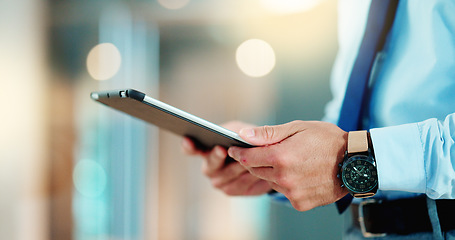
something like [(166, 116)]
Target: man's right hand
[(232, 178)]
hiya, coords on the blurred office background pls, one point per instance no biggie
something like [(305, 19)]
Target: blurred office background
[(73, 169)]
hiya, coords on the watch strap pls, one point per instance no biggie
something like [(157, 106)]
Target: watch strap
[(357, 141)]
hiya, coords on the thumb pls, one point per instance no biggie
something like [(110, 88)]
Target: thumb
[(267, 135)]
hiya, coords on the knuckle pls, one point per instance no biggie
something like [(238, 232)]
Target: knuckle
[(216, 183), (273, 159), (215, 158), (299, 206), (268, 132), (292, 196), (277, 159), (296, 122), (280, 160), (205, 169), (283, 181), (234, 169), (229, 190), (300, 203), (244, 178)]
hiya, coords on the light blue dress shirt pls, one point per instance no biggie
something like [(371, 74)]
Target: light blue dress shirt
[(412, 107)]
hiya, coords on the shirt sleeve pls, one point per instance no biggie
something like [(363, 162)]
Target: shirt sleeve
[(417, 157)]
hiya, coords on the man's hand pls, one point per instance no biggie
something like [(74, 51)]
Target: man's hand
[(233, 179), (299, 159)]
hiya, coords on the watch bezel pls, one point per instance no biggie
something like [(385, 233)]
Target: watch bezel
[(358, 192)]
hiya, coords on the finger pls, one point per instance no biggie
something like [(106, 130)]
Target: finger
[(253, 157), (214, 160), (228, 174), (266, 173), (267, 135), (258, 188), (189, 147), (246, 184), (235, 126), (236, 187)]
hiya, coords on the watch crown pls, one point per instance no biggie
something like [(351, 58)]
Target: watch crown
[(342, 185), (338, 175)]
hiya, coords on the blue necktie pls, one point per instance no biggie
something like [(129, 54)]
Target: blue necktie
[(380, 19)]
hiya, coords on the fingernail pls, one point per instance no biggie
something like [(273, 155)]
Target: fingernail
[(231, 152), (247, 132)]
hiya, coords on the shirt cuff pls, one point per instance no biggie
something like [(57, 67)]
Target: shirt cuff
[(399, 158)]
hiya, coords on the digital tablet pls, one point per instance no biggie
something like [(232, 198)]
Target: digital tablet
[(205, 134)]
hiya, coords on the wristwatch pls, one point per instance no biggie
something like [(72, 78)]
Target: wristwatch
[(358, 170)]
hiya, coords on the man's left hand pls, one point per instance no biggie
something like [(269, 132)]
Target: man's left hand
[(299, 159)]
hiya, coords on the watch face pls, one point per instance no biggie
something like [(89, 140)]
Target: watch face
[(359, 174)]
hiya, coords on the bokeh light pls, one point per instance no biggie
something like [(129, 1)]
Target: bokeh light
[(289, 6), (89, 178), (255, 58), (103, 61), (173, 4)]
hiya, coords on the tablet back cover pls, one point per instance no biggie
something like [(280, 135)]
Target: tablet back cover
[(132, 102)]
